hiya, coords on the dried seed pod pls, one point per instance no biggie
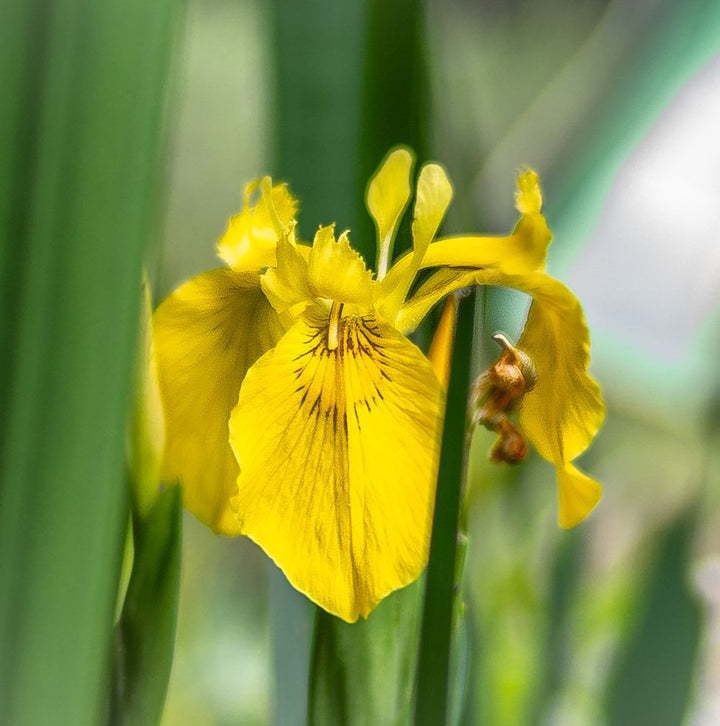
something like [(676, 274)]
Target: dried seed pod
[(496, 393)]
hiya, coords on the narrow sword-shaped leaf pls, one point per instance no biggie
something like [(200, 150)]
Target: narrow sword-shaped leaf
[(432, 687)]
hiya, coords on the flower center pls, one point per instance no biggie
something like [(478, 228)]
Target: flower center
[(334, 327)]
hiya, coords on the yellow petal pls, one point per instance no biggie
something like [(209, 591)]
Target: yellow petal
[(207, 334), (521, 252), (278, 206), (564, 410), (441, 347), (146, 433), (338, 452), (387, 196), (337, 271), (531, 234), (528, 197), (578, 495), (250, 239), (434, 194), (287, 286)]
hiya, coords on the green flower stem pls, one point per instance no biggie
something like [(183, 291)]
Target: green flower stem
[(146, 631), (431, 698)]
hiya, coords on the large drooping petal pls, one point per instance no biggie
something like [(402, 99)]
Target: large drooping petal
[(564, 410), (249, 241), (338, 454), (207, 334), (387, 196), (562, 414)]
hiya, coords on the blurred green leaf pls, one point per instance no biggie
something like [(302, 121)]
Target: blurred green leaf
[(81, 109), (319, 66), (145, 636), (653, 678), (563, 583), (291, 628), (677, 39), (395, 98), (327, 701)]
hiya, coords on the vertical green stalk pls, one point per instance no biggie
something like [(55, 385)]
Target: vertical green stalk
[(432, 694), (395, 95), (145, 634), (81, 107)]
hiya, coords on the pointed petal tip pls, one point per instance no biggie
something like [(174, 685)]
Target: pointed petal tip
[(578, 495), (251, 236), (528, 197)]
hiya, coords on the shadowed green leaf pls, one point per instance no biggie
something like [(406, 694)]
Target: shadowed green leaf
[(145, 635)]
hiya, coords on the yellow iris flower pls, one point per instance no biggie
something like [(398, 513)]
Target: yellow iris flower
[(299, 414)]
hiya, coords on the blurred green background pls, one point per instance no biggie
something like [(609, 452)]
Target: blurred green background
[(571, 628), (616, 104)]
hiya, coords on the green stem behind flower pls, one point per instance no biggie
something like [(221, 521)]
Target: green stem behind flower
[(395, 95), (145, 634), (318, 58), (431, 698)]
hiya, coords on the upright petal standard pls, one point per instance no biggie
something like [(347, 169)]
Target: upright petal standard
[(301, 415)]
